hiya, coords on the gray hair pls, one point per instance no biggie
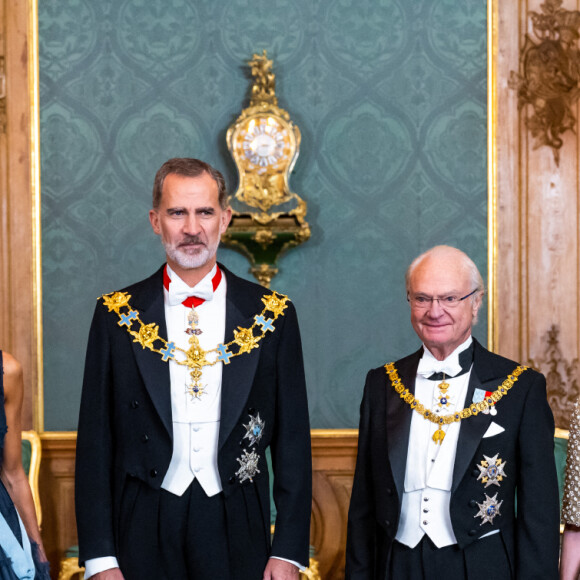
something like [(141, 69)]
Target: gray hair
[(475, 278), (188, 167)]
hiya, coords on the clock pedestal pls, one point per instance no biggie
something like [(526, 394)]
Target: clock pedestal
[(268, 218), (263, 245)]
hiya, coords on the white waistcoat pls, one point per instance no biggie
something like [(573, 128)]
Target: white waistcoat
[(196, 421), (429, 470)]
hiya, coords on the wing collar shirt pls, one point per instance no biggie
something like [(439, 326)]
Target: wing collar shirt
[(429, 469), (196, 420)]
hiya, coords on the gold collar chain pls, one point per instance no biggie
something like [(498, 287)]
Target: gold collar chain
[(472, 410), (195, 357)]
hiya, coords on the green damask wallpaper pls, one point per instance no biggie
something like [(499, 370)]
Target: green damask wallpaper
[(390, 97)]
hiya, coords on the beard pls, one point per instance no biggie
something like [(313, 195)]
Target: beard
[(190, 258)]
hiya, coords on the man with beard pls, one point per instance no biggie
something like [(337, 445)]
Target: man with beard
[(190, 376)]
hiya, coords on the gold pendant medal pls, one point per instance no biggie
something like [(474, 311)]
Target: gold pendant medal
[(443, 401), (196, 355), (443, 386), (438, 436), (196, 360)]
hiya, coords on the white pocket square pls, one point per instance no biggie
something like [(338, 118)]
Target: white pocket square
[(493, 429), (489, 534)]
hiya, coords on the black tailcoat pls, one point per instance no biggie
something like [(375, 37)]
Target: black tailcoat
[(125, 429), (528, 532)]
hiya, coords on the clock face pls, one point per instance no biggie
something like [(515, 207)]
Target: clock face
[(265, 142)]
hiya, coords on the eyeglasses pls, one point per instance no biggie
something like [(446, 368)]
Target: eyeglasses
[(423, 302)]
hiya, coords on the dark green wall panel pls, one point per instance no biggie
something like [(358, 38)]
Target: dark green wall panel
[(390, 97)]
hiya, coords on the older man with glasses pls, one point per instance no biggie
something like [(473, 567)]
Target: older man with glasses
[(449, 437)]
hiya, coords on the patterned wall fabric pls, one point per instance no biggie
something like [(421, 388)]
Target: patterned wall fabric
[(390, 97)]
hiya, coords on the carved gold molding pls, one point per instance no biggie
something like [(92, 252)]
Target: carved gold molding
[(549, 73), (561, 378), (69, 568), (315, 434)]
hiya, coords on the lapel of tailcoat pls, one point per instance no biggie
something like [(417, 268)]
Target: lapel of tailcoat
[(399, 418), (147, 299), (238, 375), (483, 376)]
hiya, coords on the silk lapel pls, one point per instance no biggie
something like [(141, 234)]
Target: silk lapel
[(398, 418), (472, 429), (147, 298), (238, 375)]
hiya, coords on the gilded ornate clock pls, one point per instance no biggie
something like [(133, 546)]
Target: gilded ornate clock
[(268, 218)]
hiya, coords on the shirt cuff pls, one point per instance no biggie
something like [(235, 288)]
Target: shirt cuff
[(95, 565), (299, 566)]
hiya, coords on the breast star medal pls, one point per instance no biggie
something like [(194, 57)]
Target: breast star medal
[(491, 470), (248, 466), (488, 509), (254, 429)]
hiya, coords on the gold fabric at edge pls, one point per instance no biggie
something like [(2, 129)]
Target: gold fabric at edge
[(571, 500)]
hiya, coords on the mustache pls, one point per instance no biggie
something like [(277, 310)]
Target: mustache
[(191, 240)]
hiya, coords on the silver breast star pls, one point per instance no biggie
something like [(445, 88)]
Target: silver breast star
[(488, 509), (254, 429), (248, 466), (491, 470)]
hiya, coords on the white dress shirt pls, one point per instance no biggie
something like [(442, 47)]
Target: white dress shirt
[(196, 421), (429, 470)]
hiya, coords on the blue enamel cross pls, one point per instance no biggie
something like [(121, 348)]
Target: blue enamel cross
[(265, 322), (224, 355), (127, 318), (167, 352)]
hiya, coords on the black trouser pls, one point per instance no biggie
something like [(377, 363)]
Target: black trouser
[(427, 562), (167, 537)]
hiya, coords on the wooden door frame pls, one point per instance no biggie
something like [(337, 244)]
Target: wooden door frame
[(20, 235)]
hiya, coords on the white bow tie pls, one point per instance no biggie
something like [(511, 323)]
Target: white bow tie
[(180, 291), (429, 365)]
